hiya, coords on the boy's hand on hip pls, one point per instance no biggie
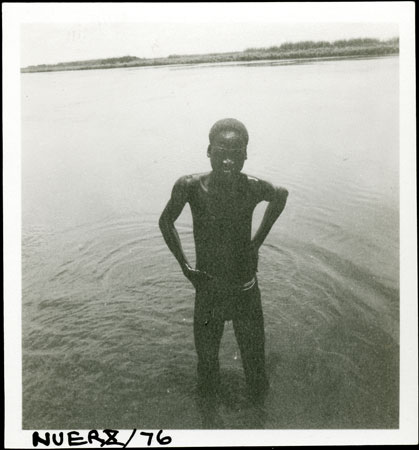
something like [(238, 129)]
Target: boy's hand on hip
[(254, 255), (196, 277)]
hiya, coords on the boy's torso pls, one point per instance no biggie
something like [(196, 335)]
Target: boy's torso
[(222, 225)]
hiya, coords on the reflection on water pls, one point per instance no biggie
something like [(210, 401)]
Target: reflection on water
[(107, 315), (262, 62)]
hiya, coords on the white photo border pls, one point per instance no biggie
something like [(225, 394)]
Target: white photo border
[(402, 13)]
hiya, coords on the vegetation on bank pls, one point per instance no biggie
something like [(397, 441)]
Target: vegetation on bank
[(289, 50)]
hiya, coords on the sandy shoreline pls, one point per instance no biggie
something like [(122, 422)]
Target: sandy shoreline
[(288, 53), (257, 62)]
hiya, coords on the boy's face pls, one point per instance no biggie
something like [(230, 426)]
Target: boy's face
[(227, 153)]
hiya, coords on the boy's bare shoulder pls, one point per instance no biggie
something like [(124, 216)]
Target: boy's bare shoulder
[(257, 183), (188, 184), (263, 189), (252, 179), (190, 180)]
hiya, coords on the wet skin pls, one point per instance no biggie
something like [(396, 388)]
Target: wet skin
[(222, 204)]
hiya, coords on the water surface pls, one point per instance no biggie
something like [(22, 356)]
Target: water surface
[(107, 314)]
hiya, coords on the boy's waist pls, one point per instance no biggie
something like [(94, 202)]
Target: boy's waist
[(223, 284), (237, 269)]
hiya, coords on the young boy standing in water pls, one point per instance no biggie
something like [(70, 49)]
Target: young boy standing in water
[(222, 204)]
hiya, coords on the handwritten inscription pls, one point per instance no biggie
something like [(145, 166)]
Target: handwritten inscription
[(104, 438)]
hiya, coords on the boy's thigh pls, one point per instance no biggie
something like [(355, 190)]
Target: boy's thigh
[(248, 321), (249, 305), (208, 326)]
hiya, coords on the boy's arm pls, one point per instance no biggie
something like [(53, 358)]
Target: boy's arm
[(277, 198), (167, 226)]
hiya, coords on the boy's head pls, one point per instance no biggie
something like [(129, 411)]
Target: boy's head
[(229, 126), (227, 149)]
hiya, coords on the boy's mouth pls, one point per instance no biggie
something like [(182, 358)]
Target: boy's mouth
[(228, 172)]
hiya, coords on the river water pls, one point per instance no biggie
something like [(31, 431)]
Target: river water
[(107, 314)]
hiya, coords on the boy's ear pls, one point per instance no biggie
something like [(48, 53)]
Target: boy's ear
[(209, 151)]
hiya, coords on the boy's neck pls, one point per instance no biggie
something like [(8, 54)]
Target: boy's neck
[(217, 181)]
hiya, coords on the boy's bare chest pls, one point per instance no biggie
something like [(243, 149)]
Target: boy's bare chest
[(222, 206)]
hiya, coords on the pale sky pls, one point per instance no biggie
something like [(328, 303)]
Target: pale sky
[(49, 43)]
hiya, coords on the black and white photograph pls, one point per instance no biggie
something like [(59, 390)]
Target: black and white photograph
[(210, 224)]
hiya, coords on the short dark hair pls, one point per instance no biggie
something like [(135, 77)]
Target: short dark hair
[(229, 125)]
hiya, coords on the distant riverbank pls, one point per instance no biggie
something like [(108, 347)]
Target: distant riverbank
[(297, 50)]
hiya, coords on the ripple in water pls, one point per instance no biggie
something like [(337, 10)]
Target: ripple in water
[(107, 315), (110, 325)]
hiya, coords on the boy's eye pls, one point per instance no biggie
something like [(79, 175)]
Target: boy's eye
[(224, 152)]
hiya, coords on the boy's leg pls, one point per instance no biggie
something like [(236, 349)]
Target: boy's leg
[(250, 334), (208, 330)]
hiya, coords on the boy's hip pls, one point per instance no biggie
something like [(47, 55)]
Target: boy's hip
[(227, 301)]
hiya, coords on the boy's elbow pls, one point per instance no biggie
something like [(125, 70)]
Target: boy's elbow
[(165, 222), (162, 222), (282, 193)]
